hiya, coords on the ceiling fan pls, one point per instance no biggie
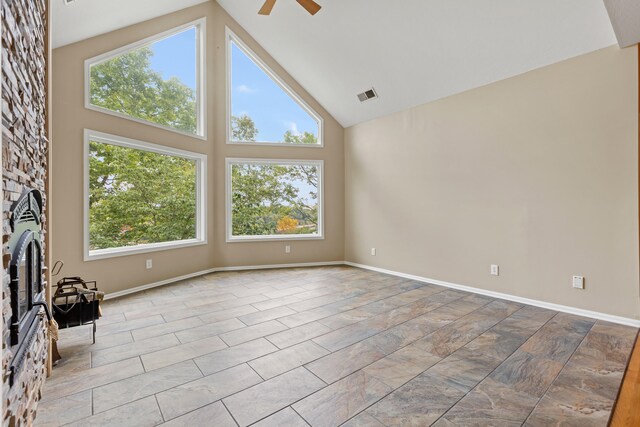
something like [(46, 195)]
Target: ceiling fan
[(311, 6)]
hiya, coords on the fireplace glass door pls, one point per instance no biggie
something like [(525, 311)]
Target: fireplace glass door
[(26, 282), (35, 271), (23, 289)]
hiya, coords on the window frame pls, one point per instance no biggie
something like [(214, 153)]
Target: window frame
[(230, 161), (201, 196), (201, 99), (232, 37)]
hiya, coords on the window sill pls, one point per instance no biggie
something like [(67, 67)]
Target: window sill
[(272, 238), (274, 144), (141, 249), (202, 135)]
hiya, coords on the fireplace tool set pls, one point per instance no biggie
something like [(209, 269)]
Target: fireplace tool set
[(76, 302)]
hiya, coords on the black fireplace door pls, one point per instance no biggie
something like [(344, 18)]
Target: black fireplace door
[(26, 284)]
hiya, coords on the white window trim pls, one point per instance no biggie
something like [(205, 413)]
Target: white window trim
[(230, 161), (232, 37), (201, 196), (201, 99)]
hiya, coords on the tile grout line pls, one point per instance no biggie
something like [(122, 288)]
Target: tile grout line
[(238, 364), (225, 407), (143, 353), (155, 397), (276, 320), (301, 417), (331, 352), (558, 374), (115, 407), (198, 368), (312, 373), (257, 373), (373, 416)]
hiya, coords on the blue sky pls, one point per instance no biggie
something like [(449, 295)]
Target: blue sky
[(253, 92), (176, 57)]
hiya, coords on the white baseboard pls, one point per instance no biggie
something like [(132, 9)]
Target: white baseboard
[(272, 266), (543, 304), (130, 291)]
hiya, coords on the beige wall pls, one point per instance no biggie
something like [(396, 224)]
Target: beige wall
[(71, 118), (537, 173)]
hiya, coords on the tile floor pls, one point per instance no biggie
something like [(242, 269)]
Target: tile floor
[(333, 346)]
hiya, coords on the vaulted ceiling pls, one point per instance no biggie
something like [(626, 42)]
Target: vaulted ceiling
[(416, 51), (82, 19), (410, 51)]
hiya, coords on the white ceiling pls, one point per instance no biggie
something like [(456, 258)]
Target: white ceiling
[(625, 17), (411, 51), (416, 51), (82, 19)]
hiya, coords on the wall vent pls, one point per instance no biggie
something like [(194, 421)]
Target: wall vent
[(367, 95)]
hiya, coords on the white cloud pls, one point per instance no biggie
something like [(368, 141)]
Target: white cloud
[(293, 127), (245, 89)]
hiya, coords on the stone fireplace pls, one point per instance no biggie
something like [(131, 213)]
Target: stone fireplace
[(25, 146)]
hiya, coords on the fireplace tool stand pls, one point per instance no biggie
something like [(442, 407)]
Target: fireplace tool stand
[(76, 302)]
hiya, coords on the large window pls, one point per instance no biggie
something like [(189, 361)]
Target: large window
[(141, 197), (261, 107), (274, 199), (158, 80)]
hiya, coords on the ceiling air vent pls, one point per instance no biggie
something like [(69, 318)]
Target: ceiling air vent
[(367, 95)]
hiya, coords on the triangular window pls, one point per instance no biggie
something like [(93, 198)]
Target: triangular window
[(262, 108), (157, 80)]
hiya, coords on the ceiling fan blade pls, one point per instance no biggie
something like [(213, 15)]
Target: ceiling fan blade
[(267, 7), (311, 6)]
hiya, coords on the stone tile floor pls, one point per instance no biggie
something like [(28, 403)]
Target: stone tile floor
[(333, 346)]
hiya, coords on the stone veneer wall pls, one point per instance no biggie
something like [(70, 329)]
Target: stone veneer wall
[(24, 165)]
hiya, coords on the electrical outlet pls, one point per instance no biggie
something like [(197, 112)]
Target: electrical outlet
[(495, 270), (578, 282), (287, 249), (149, 264), (373, 251)]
